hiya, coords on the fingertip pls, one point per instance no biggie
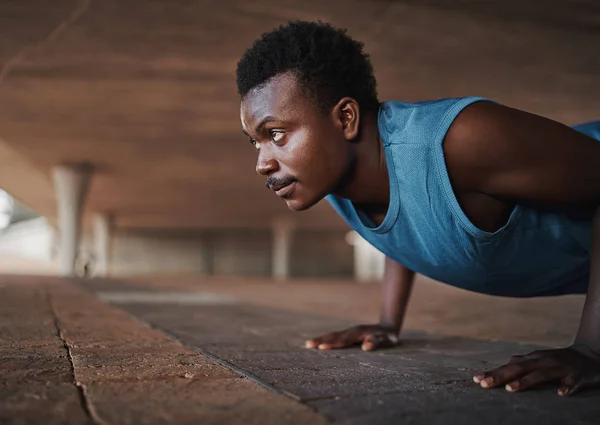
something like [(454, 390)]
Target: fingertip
[(311, 344), (487, 382), (367, 346), (323, 346), (563, 391), (478, 378)]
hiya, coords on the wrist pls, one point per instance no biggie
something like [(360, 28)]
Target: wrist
[(591, 343), (390, 325)]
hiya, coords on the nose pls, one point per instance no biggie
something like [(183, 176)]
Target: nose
[(265, 164)]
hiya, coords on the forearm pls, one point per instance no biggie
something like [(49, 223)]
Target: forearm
[(589, 328), (397, 287)]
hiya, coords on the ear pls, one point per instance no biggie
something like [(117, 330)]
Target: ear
[(347, 114)]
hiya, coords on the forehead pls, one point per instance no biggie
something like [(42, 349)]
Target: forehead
[(280, 97)]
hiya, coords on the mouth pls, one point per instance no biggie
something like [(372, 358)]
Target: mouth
[(280, 186), (285, 191)]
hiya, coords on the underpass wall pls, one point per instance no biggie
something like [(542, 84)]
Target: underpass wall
[(240, 252)]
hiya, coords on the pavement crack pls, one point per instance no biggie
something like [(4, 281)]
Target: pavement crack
[(86, 403)]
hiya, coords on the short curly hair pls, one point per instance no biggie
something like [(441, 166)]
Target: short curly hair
[(328, 63)]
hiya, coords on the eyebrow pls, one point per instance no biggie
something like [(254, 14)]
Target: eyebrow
[(265, 120), (260, 125)]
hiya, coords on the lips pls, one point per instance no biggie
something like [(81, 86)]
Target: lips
[(276, 184), (286, 190), (279, 186)]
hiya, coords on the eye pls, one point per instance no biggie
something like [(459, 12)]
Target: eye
[(255, 144), (277, 135)]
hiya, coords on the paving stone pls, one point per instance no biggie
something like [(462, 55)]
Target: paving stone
[(463, 404), (240, 325), (426, 380), (225, 341), (144, 363), (310, 373), (278, 360), (29, 404), (104, 334), (24, 333), (263, 322), (101, 284), (34, 365), (86, 322), (31, 326), (132, 374), (215, 402)]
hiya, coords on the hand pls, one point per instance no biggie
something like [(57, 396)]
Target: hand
[(369, 337), (575, 367)]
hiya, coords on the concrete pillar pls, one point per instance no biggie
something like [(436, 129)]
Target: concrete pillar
[(282, 241), (102, 225), (70, 185), (369, 262)]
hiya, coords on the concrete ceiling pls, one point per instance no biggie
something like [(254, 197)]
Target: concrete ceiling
[(145, 90)]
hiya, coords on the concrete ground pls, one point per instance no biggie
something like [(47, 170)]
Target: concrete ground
[(228, 351)]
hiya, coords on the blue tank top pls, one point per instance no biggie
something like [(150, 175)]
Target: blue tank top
[(537, 252)]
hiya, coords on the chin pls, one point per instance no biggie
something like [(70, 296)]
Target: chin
[(296, 204)]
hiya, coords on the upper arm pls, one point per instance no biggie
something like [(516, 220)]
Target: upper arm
[(514, 155)]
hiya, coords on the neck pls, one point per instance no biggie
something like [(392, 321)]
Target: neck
[(368, 181)]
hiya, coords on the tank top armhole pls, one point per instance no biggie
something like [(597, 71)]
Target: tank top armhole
[(442, 171)]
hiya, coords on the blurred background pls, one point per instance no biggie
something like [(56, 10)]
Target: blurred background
[(121, 150)]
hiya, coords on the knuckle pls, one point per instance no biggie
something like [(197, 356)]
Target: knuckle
[(369, 338), (553, 362), (516, 368), (515, 359), (569, 381), (533, 355), (376, 337), (392, 338), (334, 336)]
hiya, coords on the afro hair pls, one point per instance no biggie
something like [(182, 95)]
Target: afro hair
[(328, 64)]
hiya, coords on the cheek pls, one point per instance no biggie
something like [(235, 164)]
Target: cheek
[(305, 157), (315, 158)]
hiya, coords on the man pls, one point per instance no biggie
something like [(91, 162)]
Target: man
[(465, 191)]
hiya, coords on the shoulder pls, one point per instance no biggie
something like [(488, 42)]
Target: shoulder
[(423, 122), (490, 146)]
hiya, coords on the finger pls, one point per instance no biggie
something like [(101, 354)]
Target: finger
[(312, 343), (535, 378), (529, 356), (379, 340), (514, 359), (330, 337), (342, 339), (510, 372), (570, 385), (517, 359), (333, 345)]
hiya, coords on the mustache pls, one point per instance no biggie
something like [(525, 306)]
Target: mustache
[(276, 183)]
